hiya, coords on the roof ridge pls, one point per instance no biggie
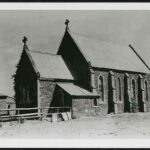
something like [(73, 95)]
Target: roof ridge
[(44, 53)]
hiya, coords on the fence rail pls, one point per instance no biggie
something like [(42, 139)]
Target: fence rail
[(34, 108), (25, 113)]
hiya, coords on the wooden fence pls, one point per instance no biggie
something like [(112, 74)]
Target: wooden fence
[(31, 113)]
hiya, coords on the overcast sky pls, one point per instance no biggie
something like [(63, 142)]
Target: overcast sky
[(45, 29)]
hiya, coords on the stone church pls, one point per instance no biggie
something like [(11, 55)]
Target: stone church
[(91, 76)]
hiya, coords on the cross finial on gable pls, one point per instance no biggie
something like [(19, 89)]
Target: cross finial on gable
[(24, 40), (66, 23)]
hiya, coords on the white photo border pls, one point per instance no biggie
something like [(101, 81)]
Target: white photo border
[(75, 143)]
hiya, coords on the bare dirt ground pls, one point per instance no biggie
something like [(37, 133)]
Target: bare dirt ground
[(127, 125)]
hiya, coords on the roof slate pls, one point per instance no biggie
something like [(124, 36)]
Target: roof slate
[(105, 55), (50, 65), (75, 90)]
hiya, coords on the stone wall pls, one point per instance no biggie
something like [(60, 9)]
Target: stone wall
[(119, 106), (83, 107), (46, 92), (147, 77), (2, 103)]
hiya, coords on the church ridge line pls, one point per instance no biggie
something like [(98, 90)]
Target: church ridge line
[(45, 53)]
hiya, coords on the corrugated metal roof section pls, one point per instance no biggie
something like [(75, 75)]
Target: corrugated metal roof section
[(50, 66), (75, 90), (105, 55)]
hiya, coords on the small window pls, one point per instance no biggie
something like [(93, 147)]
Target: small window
[(95, 102)]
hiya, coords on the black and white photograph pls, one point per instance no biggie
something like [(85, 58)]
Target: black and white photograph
[(74, 74)]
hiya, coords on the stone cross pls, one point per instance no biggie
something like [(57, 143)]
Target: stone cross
[(66, 23), (24, 40)]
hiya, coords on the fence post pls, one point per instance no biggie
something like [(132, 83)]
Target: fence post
[(18, 113), (41, 115), (58, 110)]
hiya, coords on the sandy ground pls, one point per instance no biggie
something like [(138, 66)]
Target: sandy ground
[(127, 125)]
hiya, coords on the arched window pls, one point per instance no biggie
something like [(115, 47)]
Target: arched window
[(95, 102), (118, 89), (145, 91), (133, 89), (101, 88)]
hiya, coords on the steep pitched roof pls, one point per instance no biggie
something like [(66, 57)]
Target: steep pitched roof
[(49, 65), (105, 55), (75, 90)]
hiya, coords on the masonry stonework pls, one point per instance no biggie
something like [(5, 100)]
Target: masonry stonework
[(134, 106), (147, 78), (46, 93), (84, 107)]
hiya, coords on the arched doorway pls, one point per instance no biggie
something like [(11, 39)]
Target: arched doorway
[(60, 97)]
